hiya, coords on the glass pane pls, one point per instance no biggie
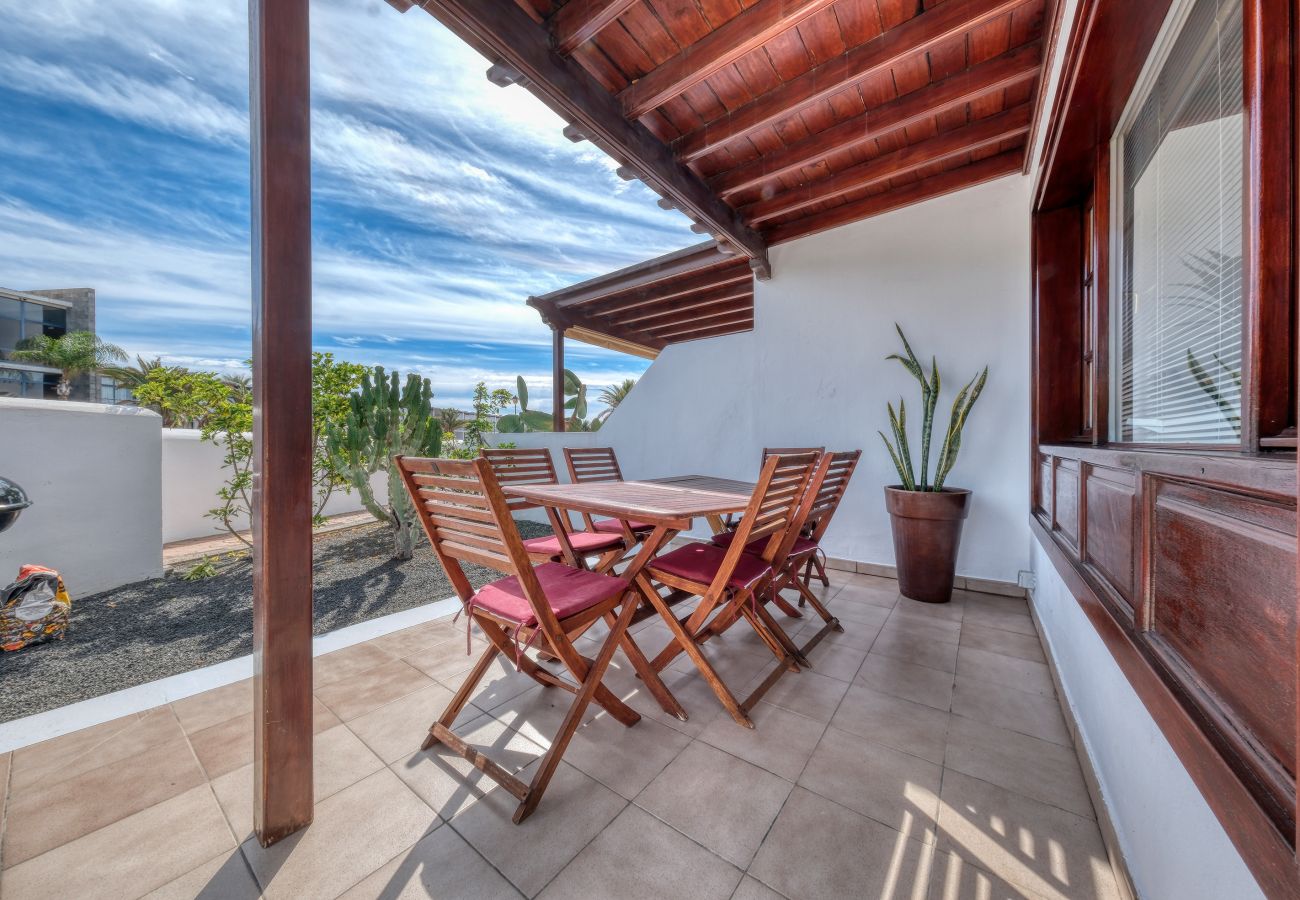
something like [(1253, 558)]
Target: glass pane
[(54, 321), (1179, 315), (10, 326), (11, 382)]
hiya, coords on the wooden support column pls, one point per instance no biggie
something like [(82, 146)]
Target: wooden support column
[(557, 375), (282, 433)]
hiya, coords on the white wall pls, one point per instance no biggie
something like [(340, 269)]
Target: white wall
[(954, 273), (192, 471), (1173, 843), (92, 474)]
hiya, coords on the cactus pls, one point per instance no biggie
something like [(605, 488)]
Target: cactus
[(538, 420), (385, 419), (899, 451)]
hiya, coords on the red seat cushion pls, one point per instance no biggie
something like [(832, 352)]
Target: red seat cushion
[(699, 562), (582, 541), (802, 545), (568, 590), (614, 526)]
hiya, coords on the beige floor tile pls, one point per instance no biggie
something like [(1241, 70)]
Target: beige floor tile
[(358, 695), (1007, 671), (418, 637), (690, 689), (864, 615), (922, 627), (340, 760), (538, 712), (647, 860), (897, 642), (994, 616), (353, 833), (224, 877), (838, 662), (72, 754), (717, 800), (1026, 765), (892, 787), (1045, 850), (448, 783), (447, 660), (806, 693), (1023, 711), (397, 729), (623, 759), (858, 635), (441, 864), (226, 746), (40, 820), (348, 663), (752, 889), (780, 741), (885, 719), (574, 809), (215, 706), (952, 611), (855, 856), (132, 856), (499, 683), (883, 594), (735, 667), (956, 879), (921, 684), (1008, 643)]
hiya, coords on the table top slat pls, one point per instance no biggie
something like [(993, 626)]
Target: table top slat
[(660, 500)]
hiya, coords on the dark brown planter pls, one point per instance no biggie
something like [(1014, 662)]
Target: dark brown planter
[(927, 534)]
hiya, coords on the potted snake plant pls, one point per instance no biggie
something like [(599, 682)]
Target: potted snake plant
[(925, 514)]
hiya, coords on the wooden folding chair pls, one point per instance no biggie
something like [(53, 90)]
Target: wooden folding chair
[(520, 466), (728, 580), (824, 491), (467, 519), (588, 464)]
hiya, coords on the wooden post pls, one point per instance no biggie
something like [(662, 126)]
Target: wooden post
[(557, 375), (282, 433)]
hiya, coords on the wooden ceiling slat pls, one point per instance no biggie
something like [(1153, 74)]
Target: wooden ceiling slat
[(739, 320), (700, 260), (671, 290), (1019, 65), (717, 48), (716, 332), (705, 317), (578, 21), (967, 176), (911, 158), (891, 49), (663, 307)]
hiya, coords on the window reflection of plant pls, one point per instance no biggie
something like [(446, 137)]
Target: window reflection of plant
[(1212, 270)]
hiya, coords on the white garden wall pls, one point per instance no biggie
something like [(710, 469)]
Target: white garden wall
[(954, 273), (1174, 846), (92, 474), (192, 472)]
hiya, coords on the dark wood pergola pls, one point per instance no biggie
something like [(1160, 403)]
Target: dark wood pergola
[(761, 120)]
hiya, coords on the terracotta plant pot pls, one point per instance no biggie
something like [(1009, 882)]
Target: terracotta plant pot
[(927, 534)]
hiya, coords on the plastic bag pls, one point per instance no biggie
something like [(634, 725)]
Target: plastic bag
[(34, 608)]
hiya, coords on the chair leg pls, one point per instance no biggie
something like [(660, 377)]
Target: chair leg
[(821, 571), (784, 605), (573, 717), (462, 696), (649, 677)]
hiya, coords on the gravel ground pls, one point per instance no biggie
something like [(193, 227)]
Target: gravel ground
[(145, 631)]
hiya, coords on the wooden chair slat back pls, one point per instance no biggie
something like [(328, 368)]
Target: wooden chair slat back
[(781, 498), (830, 491), (520, 466), (790, 451), (587, 464)]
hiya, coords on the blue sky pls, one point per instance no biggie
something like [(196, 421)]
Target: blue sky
[(440, 201)]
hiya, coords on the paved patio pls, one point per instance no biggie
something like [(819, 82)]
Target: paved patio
[(925, 756)]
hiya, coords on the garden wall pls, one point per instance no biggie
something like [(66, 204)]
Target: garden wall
[(192, 472), (92, 474)]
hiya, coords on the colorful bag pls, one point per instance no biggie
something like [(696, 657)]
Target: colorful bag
[(34, 608)]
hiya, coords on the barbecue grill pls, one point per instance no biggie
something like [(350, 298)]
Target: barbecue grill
[(13, 500)]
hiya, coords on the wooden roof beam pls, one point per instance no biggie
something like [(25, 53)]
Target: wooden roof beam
[(709, 329), (691, 301), (926, 189), (895, 46), (561, 320), (578, 21), (704, 315), (1005, 125), (502, 30), (1011, 68), (719, 48), (614, 303), (596, 339), (701, 260)]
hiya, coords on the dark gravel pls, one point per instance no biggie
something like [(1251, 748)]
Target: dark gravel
[(145, 631)]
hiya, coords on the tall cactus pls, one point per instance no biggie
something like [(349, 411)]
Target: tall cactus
[(899, 451), (386, 419)]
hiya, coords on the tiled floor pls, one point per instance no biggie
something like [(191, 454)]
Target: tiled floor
[(923, 757)]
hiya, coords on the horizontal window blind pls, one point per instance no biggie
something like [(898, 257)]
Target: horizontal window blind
[(1179, 315)]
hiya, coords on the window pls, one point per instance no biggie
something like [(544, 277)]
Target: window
[(31, 385), (11, 325), (1178, 312)]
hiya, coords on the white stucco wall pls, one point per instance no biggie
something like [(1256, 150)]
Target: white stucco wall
[(192, 471), (1173, 843), (954, 273), (92, 474)]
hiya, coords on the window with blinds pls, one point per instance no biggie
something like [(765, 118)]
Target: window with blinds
[(1177, 314)]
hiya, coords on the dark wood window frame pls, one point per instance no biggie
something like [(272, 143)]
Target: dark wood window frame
[(1184, 558)]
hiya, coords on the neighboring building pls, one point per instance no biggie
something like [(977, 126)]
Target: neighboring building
[(25, 314)]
